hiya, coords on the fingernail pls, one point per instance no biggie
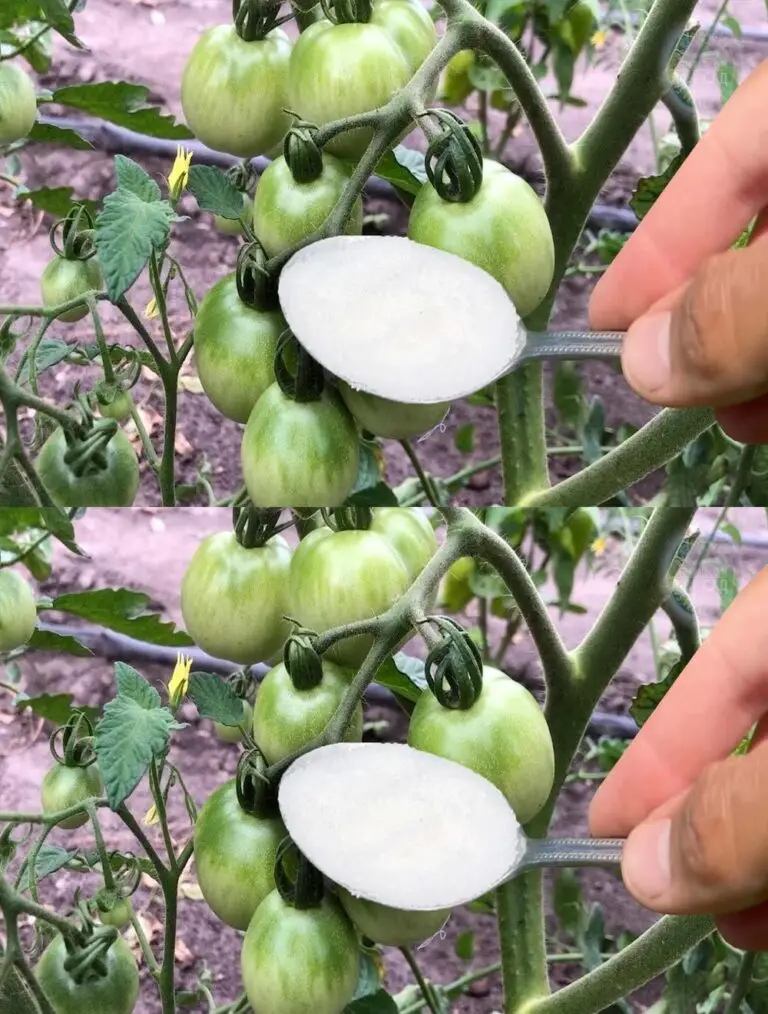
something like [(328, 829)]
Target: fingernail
[(646, 863), (646, 359)]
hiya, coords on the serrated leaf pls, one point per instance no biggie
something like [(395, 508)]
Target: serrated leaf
[(127, 738), (124, 104), (124, 611), (132, 685), (131, 177), (214, 698), (54, 12), (49, 860), (128, 229), (56, 708), (375, 1003), (49, 640), (51, 133), (650, 188), (50, 352), (404, 676), (648, 697), (214, 191)]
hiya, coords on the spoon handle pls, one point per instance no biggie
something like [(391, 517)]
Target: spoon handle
[(571, 852), (572, 345)]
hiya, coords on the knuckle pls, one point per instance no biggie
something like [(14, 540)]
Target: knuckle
[(704, 832), (705, 324)]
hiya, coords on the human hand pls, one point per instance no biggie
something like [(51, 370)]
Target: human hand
[(697, 311), (696, 816)]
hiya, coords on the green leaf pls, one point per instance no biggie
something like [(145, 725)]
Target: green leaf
[(130, 683), (568, 901), (404, 676), (465, 945), (49, 640), (50, 352), (376, 1003), (648, 697), (735, 26), (49, 860), (684, 43), (124, 611), (593, 433), (214, 191), (53, 12), (368, 980), (650, 188), (569, 395), (369, 468), (379, 495), (123, 104), (131, 177), (127, 231), (728, 79), (728, 587), (51, 133), (404, 169), (56, 708), (465, 438), (55, 201), (214, 698), (127, 738)]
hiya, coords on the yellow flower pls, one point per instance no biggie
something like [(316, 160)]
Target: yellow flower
[(599, 546), (151, 816), (152, 311), (177, 688), (179, 177), (600, 38)]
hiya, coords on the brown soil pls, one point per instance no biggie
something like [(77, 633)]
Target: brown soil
[(148, 550), (148, 41)]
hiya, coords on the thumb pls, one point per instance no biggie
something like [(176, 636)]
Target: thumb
[(710, 854), (710, 347)]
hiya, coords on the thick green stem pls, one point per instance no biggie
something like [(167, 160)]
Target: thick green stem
[(522, 433), (522, 940), (658, 949)]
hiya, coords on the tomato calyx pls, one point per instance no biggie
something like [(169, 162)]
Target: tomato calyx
[(348, 519), (302, 154), (256, 286), (454, 158), (86, 448), (344, 12), (256, 794), (454, 665), (255, 19), (76, 229), (304, 891), (302, 661), (255, 526), (87, 957), (306, 380), (77, 750)]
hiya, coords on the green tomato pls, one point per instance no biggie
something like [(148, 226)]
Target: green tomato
[(340, 70), (455, 591), (408, 530), (233, 226), (300, 961), (456, 86), (409, 25), (578, 27), (504, 737), (18, 612), (113, 486), (235, 733), (582, 530), (339, 577), (119, 408), (285, 212), (234, 93), (235, 855), (113, 993), (235, 349), (64, 279), (504, 230), (234, 600), (393, 420), (300, 454), (286, 719), (64, 786), (18, 104), (119, 915), (392, 927)]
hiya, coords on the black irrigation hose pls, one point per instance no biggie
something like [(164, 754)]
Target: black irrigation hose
[(118, 140), (115, 647)]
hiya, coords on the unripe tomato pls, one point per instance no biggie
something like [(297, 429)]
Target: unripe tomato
[(408, 531), (504, 737), (504, 230), (286, 719), (113, 486), (455, 591), (64, 279), (119, 408), (18, 104), (18, 612), (119, 915), (582, 530), (579, 25), (299, 454), (300, 961), (392, 927), (285, 211), (235, 349), (234, 600), (393, 420), (340, 70), (233, 226), (455, 86), (235, 733), (65, 786), (234, 93), (339, 577), (235, 855), (113, 993)]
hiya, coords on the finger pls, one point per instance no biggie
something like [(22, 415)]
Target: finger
[(720, 188), (711, 855), (711, 347), (747, 930), (713, 704), (747, 423)]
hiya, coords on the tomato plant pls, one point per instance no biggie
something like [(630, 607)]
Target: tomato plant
[(111, 482), (64, 279), (65, 786), (119, 915), (18, 613), (112, 991), (235, 733)]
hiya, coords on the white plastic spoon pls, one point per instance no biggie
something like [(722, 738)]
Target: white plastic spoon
[(407, 322), (414, 831)]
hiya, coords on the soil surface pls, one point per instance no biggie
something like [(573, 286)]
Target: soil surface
[(147, 550), (148, 41)]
